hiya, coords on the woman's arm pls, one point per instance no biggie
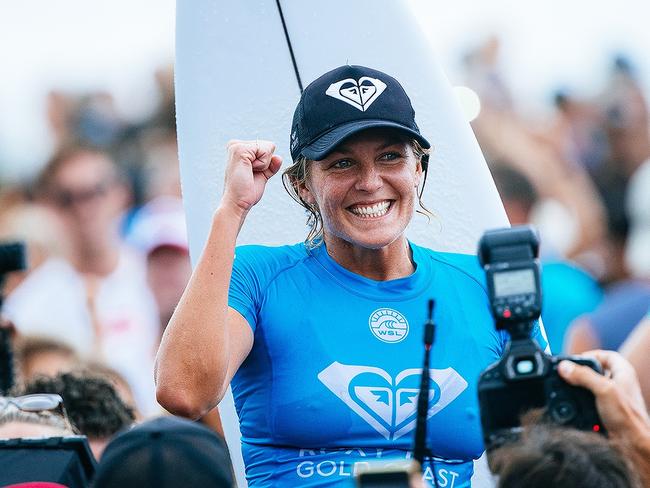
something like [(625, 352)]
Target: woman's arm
[(205, 341), (636, 350)]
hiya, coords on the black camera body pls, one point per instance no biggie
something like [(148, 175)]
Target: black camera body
[(525, 378), (12, 257)]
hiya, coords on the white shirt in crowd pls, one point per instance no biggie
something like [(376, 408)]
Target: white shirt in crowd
[(52, 302)]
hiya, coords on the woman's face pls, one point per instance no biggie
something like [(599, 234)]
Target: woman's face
[(365, 190)]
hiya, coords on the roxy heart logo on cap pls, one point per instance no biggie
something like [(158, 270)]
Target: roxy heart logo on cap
[(359, 93)]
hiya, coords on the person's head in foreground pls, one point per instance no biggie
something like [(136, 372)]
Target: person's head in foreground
[(165, 452), (560, 457), (358, 162), (39, 415), (92, 404)]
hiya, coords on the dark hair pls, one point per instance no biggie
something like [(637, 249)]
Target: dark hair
[(165, 452), (62, 156), (92, 404), (550, 456), (514, 185)]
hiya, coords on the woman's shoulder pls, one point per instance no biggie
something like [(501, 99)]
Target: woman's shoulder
[(271, 259), (464, 265)]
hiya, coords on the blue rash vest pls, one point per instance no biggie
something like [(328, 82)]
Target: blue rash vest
[(331, 382)]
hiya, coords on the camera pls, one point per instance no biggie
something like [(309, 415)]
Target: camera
[(525, 378), (12, 257), (393, 475)]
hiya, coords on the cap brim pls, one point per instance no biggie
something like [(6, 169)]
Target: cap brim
[(326, 143)]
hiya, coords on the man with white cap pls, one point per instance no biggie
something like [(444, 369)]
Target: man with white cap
[(159, 231)]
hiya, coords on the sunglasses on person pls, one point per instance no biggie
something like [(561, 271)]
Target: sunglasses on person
[(36, 403), (65, 198)]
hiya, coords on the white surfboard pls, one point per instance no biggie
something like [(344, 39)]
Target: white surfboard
[(239, 66)]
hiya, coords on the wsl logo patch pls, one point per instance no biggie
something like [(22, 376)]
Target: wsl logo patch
[(360, 94), (388, 325), (389, 404)]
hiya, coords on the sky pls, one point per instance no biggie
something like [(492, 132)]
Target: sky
[(78, 45), (546, 43)]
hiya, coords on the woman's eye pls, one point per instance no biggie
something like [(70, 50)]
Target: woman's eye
[(391, 156), (341, 164)]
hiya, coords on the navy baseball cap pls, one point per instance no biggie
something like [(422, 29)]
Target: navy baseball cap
[(345, 101), (166, 452)]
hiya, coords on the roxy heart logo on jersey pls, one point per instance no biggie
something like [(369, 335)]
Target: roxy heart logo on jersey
[(358, 93), (387, 404)]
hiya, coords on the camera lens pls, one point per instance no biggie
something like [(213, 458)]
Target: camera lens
[(563, 412)]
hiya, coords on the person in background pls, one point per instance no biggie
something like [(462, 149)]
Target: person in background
[(97, 299), (636, 350), (625, 110), (167, 452), (35, 355), (158, 229), (626, 301), (570, 213), (122, 387), (20, 417), (578, 131), (39, 446), (36, 226), (92, 404), (552, 456), (568, 291)]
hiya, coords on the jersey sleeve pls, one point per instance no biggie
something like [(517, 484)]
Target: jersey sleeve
[(244, 294), (254, 270)]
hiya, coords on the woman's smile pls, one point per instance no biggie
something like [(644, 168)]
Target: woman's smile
[(371, 211)]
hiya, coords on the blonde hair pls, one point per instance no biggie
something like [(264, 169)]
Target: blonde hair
[(296, 176), (11, 413)]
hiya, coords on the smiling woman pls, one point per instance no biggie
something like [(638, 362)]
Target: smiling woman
[(364, 192), (295, 177), (321, 340)]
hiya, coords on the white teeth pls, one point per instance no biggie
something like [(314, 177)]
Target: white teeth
[(376, 210)]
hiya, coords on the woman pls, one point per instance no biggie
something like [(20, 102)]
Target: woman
[(323, 340)]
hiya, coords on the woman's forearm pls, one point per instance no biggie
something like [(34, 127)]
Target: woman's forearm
[(193, 360)]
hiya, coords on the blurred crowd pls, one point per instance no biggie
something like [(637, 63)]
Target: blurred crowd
[(108, 254), (107, 247), (582, 177)]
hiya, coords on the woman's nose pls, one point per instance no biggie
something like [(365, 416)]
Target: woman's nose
[(369, 179)]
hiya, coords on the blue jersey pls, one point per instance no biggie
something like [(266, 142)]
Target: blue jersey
[(332, 380)]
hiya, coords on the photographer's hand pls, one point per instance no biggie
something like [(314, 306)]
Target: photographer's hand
[(618, 395)]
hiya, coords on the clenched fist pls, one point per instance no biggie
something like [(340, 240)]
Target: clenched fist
[(250, 165)]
